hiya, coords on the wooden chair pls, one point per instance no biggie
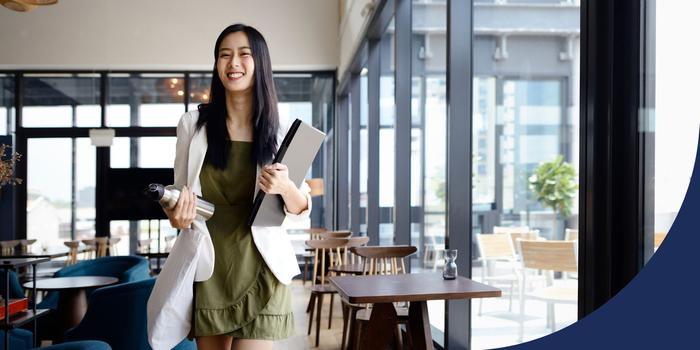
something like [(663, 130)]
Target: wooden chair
[(335, 234), (90, 248), (658, 239), (8, 247), (315, 232), (25, 243), (511, 229), (144, 245), (379, 260), (101, 244), (549, 256), (73, 252), (495, 248), (322, 248), (112, 245)]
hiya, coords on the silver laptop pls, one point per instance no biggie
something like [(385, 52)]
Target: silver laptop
[(297, 152)]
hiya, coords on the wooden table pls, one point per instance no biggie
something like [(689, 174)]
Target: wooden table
[(72, 301), (383, 290), (36, 252)]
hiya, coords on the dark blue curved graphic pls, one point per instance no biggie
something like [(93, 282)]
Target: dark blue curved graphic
[(660, 307)]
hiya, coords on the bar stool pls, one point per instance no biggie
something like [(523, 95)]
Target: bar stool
[(101, 246), (25, 243), (90, 248), (73, 252)]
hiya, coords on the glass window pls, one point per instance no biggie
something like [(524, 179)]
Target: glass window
[(50, 199), (199, 90), (61, 100), (428, 141), (672, 121), (143, 152), (145, 99), (7, 103), (524, 120), (364, 114), (386, 135)]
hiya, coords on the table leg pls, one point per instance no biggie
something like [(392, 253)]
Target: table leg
[(379, 331), (72, 305), (419, 325)]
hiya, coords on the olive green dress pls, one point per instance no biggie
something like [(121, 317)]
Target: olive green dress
[(243, 298)]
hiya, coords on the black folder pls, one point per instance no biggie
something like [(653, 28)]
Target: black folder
[(297, 152)]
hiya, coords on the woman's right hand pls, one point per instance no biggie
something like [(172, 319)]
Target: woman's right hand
[(183, 213)]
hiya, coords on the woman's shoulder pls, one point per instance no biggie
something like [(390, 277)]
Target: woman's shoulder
[(190, 117)]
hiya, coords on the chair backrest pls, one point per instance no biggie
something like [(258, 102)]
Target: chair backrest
[(347, 256), (117, 316), (495, 246), (384, 259), (550, 255), (335, 234), (571, 234), (510, 229), (658, 238), (323, 247), (315, 232)]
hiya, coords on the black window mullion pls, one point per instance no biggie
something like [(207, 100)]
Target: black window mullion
[(355, 100)]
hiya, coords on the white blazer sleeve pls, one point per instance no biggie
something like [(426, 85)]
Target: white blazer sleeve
[(305, 190), (182, 150)]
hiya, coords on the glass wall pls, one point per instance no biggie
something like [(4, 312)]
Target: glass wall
[(61, 206), (428, 141), (671, 118), (7, 103), (145, 99), (387, 111), (525, 166)]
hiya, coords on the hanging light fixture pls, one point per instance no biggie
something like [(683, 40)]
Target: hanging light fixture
[(25, 5)]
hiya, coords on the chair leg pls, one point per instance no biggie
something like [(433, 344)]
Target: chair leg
[(510, 298), (310, 310), (397, 337), (330, 311), (346, 314), (306, 272), (352, 331), (319, 306)]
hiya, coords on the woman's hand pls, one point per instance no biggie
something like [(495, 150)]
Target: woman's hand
[(274, 179), (183, 213)]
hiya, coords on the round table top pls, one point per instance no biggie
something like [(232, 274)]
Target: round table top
[(76, 282)]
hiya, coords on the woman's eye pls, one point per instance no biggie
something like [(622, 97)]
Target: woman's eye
[(224, 55), (245, 54)]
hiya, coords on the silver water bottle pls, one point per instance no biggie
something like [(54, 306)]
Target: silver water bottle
[(167, 197)]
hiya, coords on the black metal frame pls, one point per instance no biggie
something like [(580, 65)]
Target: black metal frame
[(612, 215)]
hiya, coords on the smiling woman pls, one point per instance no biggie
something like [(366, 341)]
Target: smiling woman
[(223, 154)]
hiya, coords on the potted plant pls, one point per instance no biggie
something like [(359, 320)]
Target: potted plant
[(554, 185), (7, 167)]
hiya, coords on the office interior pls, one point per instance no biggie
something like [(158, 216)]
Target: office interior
[(496, 128)]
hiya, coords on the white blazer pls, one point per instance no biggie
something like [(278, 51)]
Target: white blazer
[(272, 242), (169, 308)]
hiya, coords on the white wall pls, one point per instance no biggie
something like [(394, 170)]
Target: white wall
[(165, 34)]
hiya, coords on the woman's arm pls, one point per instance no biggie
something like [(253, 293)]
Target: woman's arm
[(274, 179)]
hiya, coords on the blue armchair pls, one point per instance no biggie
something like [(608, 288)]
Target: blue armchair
[(126, 268), (117, 316), (79, 345), (20, 339), (16, 290)]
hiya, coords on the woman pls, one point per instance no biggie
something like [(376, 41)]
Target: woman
[(223, 152)]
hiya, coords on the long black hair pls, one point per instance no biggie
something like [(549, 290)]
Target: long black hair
[(265, 116)]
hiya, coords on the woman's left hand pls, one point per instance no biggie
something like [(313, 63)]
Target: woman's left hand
[(274, 179)]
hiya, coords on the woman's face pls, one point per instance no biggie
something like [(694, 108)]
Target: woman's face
[(235, 64)]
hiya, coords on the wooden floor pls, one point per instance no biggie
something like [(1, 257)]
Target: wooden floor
[(330, 338)]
